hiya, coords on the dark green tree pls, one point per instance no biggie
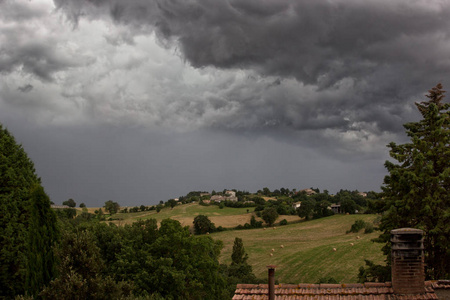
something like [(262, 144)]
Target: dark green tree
[(80, 272), (172, 203), (202, 225), (169, 262), (269, 215), (82, 205), (417, 188), (238, 256), (112, 207), (43, 233), (70, 203), (306, 209), (24, 211)]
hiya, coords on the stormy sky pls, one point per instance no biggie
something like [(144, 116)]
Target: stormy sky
[(140, 101)]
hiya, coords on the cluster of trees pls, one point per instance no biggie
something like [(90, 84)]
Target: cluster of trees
[(141, 260), (416, 191)]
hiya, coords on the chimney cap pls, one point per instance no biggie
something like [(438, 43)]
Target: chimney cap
[(271, 267), (407, 231)]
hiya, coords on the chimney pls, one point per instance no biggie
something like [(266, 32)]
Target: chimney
[(271, 282), (408, 275)]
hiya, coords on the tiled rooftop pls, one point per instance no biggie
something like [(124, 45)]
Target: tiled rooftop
[(366, 291)]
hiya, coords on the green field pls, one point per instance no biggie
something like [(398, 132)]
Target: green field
[(307, 253)]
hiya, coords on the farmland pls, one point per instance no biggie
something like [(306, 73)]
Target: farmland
[(303, 250)]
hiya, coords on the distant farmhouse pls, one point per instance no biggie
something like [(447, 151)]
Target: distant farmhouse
[(308, 192), (59, 206), (229, 195), (336, 208)]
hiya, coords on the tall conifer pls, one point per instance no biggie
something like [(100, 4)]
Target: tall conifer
[(27, 225), (417, 187)]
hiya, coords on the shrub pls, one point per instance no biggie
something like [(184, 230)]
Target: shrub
[(283, 222), (357, 226), (368, 228)]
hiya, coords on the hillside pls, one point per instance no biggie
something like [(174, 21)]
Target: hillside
[(307, 254)]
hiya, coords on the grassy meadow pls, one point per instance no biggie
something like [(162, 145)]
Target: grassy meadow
[(302, 251), (307, 254)]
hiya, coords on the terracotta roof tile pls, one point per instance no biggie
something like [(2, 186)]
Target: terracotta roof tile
[(366, 291)]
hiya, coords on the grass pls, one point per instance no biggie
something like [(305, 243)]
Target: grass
[(227, 217), (307, 253)]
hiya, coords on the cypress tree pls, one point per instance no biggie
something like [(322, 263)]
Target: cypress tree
[(417, 188), (27, 224)]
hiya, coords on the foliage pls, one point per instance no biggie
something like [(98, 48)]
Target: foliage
[(357, 226), (374, 272), (169, 262), (172, 203), (112, 207), (238, 255), (239, 271), (283, 222), (306, 210), (80, 272), (82, 205), (368, 228), (321, 209), (43, 233), (27, 224), (269, 215), (202, 225), (70, 203), (416, 189)]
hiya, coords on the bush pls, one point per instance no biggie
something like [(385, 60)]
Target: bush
[(368, 228), (283, 222), (357, 226)]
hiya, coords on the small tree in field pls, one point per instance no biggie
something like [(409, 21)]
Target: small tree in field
[(416, 190), (269, 215), (238, 256), (70, 203), (112, 207), (202, 225)]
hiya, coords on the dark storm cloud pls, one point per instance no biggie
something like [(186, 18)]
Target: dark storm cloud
[(25, 45), (387, 52), (314, 41)]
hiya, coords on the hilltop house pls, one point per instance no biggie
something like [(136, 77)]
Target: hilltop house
[(220, 198), (408, 276), (308, 192)]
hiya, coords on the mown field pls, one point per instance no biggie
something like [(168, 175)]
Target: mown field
[(303, 251), (307, 254)]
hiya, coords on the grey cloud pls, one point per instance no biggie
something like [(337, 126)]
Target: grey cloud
[(27, 47), (382, 48), (26, 88), (306, 40)]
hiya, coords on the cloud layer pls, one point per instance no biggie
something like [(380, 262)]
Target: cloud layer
[(334, 77)]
